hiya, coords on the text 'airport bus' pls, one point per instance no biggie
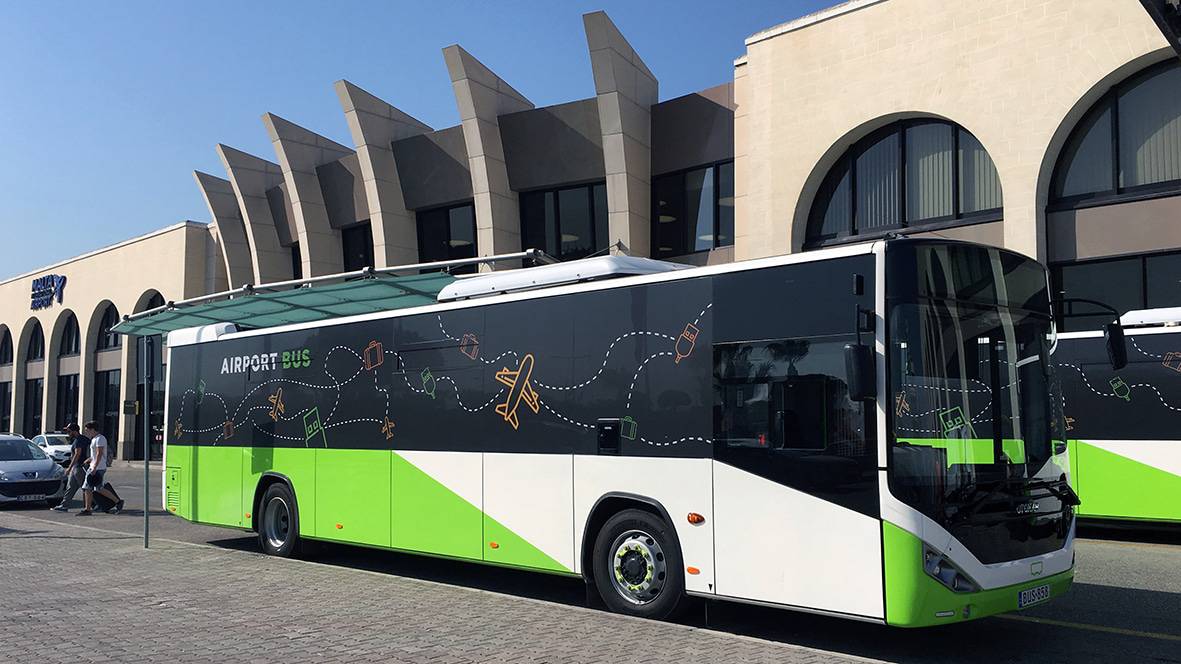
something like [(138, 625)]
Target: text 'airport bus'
[(868, 432)]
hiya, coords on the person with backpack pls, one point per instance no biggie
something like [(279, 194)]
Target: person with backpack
[(95, 470), (75, 471)]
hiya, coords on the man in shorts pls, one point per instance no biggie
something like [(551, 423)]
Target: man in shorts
[(95, 470)]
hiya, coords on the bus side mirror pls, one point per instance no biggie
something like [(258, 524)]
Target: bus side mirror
[(1117, 348), (861, 372)]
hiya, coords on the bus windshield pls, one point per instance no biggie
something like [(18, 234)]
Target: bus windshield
[(976, 436)]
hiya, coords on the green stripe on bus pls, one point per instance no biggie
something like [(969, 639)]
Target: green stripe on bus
[(371, 497), (962, 451), (1116, 487)]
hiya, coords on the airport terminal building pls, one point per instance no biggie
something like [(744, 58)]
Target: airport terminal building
[(1050, 128)]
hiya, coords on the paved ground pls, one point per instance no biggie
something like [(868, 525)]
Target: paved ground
[(202, 594)]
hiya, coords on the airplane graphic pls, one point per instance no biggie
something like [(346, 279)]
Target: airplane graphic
[(520, 389)]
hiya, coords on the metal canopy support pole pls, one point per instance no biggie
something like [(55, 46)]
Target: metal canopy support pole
[(147, 369)]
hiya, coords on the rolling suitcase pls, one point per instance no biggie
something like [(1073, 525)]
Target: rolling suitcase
[(103, 503)]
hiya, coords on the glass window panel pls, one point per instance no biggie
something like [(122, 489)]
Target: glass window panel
[(877, 171), (461, 236), (1150, 130), (296, 262), (432, 235), (833, 211), (357, 245), (980, 185), (929, 171), (34, 393), (1116, 283), (699, 209), (574, 220), (533, 220), (1086, 162), (6, 348), (1163, 274), (725, 204), (36, 348), (5, 406), (602, 228), (668, 194)]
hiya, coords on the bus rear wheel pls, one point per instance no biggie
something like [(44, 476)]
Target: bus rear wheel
[(637, 566), (278, 525)]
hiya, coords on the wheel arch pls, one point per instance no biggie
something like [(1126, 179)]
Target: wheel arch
[(265, 481), (608, 505)]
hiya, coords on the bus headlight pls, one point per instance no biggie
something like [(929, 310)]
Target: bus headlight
[(938, 567)]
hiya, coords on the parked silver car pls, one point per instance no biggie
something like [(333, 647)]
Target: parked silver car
[(28, 474)]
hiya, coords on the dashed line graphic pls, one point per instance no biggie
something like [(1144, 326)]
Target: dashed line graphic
[(606, 358), (1142, 351), (636, 376), (285, 404)]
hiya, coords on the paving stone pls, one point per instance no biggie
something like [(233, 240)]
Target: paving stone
[(114, 601)]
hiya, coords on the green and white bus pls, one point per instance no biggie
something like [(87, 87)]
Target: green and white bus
[(1124, 426), (867, 432)]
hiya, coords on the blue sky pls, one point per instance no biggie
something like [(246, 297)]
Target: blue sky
[(107, 108)]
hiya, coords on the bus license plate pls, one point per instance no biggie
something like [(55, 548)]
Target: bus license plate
[(1033, 596), (30, 498)]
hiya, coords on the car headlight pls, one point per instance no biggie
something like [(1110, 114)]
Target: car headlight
[(3, 477)]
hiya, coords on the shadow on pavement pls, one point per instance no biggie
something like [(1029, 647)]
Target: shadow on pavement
[(988, 640)]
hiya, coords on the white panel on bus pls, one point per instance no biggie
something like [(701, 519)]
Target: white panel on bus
[(777, 544), (680, 485), (533, 496), (461, 472)]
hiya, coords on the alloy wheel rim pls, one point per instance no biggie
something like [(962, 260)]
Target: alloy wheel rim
[(638, 567)]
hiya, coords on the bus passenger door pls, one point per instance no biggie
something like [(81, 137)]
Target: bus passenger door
[(528, 510), (795, 479)]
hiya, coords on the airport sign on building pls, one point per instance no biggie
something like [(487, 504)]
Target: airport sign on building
[(46, 290)]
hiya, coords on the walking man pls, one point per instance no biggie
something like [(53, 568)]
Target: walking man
[(95, 470), (75, 471)]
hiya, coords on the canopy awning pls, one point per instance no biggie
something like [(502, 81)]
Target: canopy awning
[(299, 305), (308, 300)]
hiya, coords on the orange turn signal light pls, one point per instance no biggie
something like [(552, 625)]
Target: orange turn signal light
[(695, 518), (248, 515), (339, 526), (493, 545), (693, 570)]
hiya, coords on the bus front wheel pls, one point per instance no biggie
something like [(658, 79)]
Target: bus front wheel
[(637, 565), (278, 529)]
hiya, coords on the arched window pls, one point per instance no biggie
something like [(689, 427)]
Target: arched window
[(6, 348), (36, 348), (1127, 146), (71, 344), (914, 173), (107, 339), (154, 302)]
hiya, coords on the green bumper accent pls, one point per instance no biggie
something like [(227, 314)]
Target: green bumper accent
[(913, 598), (1116, 487)]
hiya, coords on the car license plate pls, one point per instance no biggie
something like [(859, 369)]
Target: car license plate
[(31, 497), (1033, 596)]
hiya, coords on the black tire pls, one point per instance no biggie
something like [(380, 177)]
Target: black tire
[(278, 522), (662, 593)]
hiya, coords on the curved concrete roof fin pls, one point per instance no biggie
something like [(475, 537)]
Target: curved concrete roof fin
[(227, 219)]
